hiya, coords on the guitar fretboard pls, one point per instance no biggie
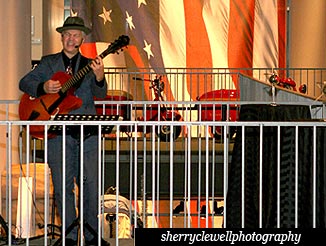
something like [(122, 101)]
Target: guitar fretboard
[(121, 42), (77, 77)]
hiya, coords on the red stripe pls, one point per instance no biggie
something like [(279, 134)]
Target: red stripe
[(89, 50), (198, 50), (134, 54), (241, 35)]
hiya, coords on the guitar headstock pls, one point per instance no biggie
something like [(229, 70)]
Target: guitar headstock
[(117, 45)]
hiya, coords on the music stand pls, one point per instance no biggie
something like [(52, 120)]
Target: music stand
[(106, 129)]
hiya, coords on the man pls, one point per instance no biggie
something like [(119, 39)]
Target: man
[(39, 82)]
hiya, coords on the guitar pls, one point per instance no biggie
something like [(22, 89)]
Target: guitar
[(47, 106)]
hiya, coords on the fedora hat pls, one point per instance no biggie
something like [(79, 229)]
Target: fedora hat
[(74, 23)]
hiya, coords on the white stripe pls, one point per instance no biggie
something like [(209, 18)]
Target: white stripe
[(172, 33), (265, 46), (216, 17), (173, 44)]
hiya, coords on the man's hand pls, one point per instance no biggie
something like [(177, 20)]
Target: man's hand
[(52, 86), (98, 68)]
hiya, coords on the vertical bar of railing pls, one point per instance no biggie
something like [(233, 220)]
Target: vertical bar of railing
[(63, 232), (314, 179), (186, 205), (243, 188), (131, 211), (207, 176), (157, 201), (213, 181), (34, 150), (199, 178), (278, 191), (136, 174), (153, 175), (171, 184), (261, 175), (171, 180), (34, 184), (46, 190), (9, 175), (102, 157), (81, 185), (188, 175), (185, 190), (226, 161), (28, 196), (33, 191), (296, 175), (46, 202), (100, 165), (199, 181), (117, 186), (143, 181)]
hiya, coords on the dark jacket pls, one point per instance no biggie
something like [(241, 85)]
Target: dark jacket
[(50, 65)]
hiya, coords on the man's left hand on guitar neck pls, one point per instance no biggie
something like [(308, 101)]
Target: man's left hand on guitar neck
[(98, 68)]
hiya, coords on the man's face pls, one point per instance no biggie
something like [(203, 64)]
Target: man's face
[(70, 39)]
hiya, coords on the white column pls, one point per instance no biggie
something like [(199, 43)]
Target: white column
[(15, 53), (308, 34)]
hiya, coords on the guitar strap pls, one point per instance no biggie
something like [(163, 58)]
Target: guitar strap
[(82, 61)]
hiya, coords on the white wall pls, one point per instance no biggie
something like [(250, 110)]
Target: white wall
[(37, 29), (15, 53), (307, 33)]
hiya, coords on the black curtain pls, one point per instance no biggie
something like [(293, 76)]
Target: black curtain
[(269, 170)]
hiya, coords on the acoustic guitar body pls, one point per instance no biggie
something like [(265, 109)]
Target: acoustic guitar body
[(47, 106)]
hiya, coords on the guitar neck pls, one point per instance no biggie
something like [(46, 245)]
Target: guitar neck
[(118, 44), (77, 77)]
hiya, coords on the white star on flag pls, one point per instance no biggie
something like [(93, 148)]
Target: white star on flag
[(106, 15), (141, 2), (148, 50), (73, 14), (190, 34), (129, 21)]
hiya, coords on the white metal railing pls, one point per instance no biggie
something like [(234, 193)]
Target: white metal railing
[(191, 171), (172, 173), (176, 80)]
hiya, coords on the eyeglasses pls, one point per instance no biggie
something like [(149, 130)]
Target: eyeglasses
[(70, 35)]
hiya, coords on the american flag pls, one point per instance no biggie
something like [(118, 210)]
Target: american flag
[(188, 34)]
